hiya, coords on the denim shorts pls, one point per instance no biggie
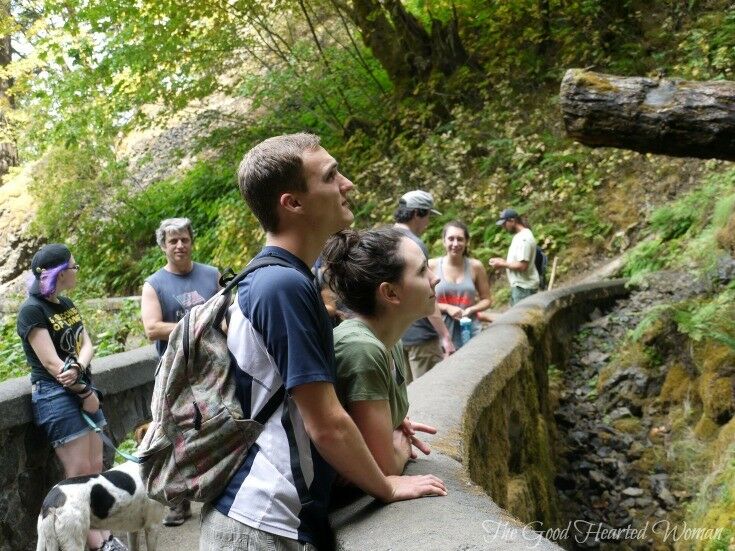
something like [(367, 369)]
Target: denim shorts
[(59, 413)]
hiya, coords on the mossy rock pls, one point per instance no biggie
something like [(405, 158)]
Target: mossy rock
[(647, 462), (712, 357), (718, 498), (597, 82), (605, 374), (706, 428), (717, 397), (629, 425), (519, 501), (635, 354), (725, 438), (678, 385)]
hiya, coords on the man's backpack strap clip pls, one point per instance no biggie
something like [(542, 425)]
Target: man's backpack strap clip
[(270, 406)]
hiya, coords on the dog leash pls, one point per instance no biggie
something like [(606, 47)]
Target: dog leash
[(106, 440)]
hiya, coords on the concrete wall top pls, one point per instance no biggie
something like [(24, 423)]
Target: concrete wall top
[(111, 374)]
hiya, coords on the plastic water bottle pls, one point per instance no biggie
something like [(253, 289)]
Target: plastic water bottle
[(465, 327)]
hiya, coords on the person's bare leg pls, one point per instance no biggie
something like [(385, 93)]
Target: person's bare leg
[(80, 457)]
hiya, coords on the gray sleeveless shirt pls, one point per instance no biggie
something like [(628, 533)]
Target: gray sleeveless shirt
[(462, 294), (178, 293)]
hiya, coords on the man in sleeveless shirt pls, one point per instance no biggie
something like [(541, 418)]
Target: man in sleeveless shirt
[(427, 340), (169, 294)]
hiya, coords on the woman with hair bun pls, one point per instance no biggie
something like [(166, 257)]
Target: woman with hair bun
[(464, 289), (59, 351), (383, 277)]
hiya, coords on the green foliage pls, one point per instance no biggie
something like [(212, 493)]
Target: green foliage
[(102, 62), (74, 187), (96, 67), (649, 320), (707, 51), (685, 230), (109, 330), (647, 257), (12, 358), (523, 39), (714, 504), (117, 252), (126, 446), (710, 318)]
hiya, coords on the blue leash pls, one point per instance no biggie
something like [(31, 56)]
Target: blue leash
[(106, 440)]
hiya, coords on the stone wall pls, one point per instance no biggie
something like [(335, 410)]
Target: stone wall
[(29, 466)]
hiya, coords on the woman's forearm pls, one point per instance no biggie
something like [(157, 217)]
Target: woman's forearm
[(87, 351), (483, 304)]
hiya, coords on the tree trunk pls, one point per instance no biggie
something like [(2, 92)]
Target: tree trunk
[(8, 149), (650, 115), (405, 49)]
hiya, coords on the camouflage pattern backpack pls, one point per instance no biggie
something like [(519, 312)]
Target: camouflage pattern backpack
[(199, 436)]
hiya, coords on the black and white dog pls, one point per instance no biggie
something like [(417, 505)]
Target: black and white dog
[(114, 500)]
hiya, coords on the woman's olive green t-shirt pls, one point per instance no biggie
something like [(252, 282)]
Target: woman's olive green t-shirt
[(367, 370)]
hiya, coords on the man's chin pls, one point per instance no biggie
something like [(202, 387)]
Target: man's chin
[(347, 222)]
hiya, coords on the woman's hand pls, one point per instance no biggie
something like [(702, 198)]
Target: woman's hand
[(409, 428), (70, 376), (453, 311)]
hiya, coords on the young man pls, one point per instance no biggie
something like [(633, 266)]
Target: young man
[(427, 341), (519, 266), (280, 336), (169, 294)]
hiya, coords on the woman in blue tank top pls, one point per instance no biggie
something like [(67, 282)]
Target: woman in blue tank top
[(464, 288)]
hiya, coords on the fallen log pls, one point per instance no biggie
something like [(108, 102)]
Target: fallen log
[(650, 115)]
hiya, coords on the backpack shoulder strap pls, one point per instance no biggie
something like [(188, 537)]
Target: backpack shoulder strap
[(254, 265)]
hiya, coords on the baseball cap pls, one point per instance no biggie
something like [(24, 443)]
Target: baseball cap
[(506, 215), (48, 256), (418, 199)]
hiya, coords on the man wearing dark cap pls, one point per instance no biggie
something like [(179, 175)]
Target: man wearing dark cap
[(427, 340), (519, 265)]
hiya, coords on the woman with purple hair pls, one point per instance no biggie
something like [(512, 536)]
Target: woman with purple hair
[(59, 351)]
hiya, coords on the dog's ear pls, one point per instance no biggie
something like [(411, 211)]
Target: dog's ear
[(140, 433)]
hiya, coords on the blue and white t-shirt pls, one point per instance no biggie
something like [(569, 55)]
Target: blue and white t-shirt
[(280, 334)]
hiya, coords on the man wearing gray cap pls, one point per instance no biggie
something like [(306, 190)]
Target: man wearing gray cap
[(427, 340), (519, 265)]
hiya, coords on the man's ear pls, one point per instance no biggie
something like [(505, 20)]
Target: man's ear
[(388, 293), (290, 202)]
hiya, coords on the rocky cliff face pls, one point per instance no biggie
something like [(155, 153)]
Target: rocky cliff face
[(16, 243)]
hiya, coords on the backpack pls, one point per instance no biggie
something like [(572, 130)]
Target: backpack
[(199, 435), (541, 261)]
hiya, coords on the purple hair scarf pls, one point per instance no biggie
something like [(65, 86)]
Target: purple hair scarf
[(47, 280)]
